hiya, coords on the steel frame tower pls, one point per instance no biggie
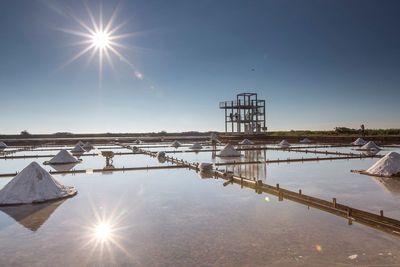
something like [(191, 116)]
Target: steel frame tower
[(245, 115)]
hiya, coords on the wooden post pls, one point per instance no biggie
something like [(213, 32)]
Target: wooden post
[(349, 211), (300, 191), (277, 186), (334, 202), (381, 212)]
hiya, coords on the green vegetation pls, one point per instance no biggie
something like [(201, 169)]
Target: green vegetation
[(338, 131)]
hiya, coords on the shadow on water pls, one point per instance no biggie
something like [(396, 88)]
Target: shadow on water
[(32, 216)]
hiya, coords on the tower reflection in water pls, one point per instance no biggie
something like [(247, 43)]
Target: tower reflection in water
[(254, 171)]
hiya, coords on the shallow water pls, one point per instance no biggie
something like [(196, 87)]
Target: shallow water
[(175, 218), (88, 162), (172, 217), (353, 149)]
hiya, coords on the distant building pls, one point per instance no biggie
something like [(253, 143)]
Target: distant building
[(245, 115)]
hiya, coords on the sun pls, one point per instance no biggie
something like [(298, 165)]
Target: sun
[(101, 40)]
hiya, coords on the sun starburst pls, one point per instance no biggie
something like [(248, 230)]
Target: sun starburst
[(99, 39)]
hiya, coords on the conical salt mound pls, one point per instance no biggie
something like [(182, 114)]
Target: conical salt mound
[(176, 144), (78, 149), (196, 146), (33, 184), (389, 165), (63, 157), (305, 141), (284, 143), (246, 142), (370, 146), (2, 145), (359, 142), (87, 146), (229, 151), (80, 143)]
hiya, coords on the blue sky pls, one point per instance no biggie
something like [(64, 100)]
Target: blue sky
[(319, 64)]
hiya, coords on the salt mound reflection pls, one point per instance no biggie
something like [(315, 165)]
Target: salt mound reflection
[(32, 216)]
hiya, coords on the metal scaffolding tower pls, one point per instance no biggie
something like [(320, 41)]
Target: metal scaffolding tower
[(245, 115)]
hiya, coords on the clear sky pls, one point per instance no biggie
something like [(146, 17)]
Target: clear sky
[(319, 64)]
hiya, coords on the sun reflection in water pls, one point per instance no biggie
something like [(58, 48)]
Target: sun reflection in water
[(103, 231), (103, 235)]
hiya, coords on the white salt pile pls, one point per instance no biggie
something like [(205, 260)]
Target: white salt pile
[(78, 149), (80, 143), (370, 146), (88, 146), (176, 144), (229, 151), (63, 157), (305, 141), (284, 143), (389, 165), (33, 184), (359, 142), (246, 142), (2, 145), (204, 166), (196, 146)]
